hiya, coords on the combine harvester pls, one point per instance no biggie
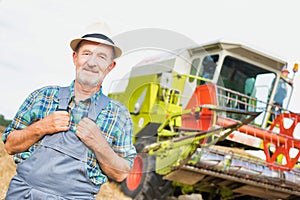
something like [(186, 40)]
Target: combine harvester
[(205, 121)]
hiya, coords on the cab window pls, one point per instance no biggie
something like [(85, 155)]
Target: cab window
[(208, 68), (194, 69)]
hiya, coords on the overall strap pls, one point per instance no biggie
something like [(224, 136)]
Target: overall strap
[(63, 97), (95, 108), (98, 106)]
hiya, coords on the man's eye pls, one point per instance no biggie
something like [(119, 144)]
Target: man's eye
[(102, 57)]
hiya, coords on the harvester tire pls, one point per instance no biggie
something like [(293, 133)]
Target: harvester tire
[(143, 183)]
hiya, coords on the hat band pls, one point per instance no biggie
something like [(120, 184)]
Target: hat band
[(99, 36)]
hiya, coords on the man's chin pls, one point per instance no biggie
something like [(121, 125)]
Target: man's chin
[(89, 82)]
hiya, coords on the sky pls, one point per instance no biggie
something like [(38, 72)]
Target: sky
[(35, 35)]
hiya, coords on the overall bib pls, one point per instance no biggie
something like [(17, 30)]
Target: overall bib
[(57, 169)]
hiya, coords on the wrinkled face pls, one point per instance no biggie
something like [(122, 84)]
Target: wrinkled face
[(93, 62)]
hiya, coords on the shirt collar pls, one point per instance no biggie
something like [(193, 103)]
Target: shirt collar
[(93, 98)]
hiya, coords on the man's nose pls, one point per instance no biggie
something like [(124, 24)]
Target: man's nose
[(92, 61)]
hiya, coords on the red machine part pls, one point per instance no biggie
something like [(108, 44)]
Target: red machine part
[(135, 176), (287, 144), (204, 94), (283, 142)]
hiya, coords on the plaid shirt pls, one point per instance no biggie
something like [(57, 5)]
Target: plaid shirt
[(114, 122)]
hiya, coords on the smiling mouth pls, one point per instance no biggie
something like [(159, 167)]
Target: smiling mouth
[(90, 71)]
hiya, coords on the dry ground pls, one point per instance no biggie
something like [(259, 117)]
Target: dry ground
[(7, 168), (109, 191)]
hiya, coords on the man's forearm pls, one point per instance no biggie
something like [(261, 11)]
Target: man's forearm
[(114, 166), (20, 140)]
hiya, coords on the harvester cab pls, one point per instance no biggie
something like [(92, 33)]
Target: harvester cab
[(199, 111)]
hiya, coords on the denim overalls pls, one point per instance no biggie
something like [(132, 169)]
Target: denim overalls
[(57, 169)]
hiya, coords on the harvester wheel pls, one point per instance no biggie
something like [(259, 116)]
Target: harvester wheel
[(143, 183)]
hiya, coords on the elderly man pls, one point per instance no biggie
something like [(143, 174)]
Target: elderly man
[(68, 141)]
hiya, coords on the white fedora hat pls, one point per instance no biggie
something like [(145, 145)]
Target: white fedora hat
[(100, 35)]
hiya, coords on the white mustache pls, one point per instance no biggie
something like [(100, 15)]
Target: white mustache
[(91, 69)]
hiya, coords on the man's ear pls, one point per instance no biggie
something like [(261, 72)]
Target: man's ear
[(111, 66), (74, 55)]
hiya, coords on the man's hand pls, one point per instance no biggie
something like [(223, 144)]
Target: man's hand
[(111, 163), (20, 140), (89, 133), (55, 122)]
